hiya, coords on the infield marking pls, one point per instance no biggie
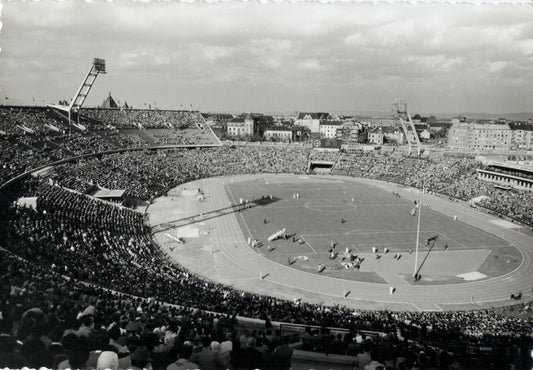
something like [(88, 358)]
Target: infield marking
[(222, 232), (309, 244)]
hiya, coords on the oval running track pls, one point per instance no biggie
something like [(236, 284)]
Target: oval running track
[(236, 264)]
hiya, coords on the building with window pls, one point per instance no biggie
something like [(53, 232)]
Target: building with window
[(311, 120), (375, 136), (476, 137), (240, 126), (522, 135), (393, 135), (328, 129), (351, 132), (379, 121), (279, 133)]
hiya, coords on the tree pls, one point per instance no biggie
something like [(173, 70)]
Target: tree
[(262, 123)]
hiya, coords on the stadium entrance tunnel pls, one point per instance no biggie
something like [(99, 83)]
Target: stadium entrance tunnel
[(320, 167)]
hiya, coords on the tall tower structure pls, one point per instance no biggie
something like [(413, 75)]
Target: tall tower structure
[(97, 67), (400, 108)]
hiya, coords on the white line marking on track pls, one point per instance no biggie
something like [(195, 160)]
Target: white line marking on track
[(309, 244), (453, 240), (244, 221)]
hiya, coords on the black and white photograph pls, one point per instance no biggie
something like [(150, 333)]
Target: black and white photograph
[(283, 185)]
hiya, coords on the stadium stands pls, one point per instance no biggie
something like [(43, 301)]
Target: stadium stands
[(82, 277), (452, 176)]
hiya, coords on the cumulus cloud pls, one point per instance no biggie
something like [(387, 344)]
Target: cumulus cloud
[(279, 56)]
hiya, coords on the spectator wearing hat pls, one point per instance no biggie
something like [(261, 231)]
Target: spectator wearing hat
[(77, 351), (107, 360), (114, 336), (86, 325)]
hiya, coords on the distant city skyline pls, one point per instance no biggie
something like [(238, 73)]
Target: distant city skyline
[(276, 57)]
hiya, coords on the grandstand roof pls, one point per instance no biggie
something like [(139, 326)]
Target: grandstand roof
[(109, 102), (518, 168), (106, 193)]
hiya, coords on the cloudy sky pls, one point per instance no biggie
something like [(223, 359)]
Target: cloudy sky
[(279, 57)]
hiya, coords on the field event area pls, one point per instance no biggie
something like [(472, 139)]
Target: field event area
[(333, 219), (340, 240)]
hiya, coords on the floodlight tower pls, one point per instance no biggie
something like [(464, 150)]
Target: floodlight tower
[(400, 108), (97, 67)]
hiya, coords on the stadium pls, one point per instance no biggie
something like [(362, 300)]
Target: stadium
[(135, 231)]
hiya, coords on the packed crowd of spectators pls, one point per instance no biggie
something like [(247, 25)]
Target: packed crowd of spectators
[(323, 155), (515, 204), (38, 120), (78, 143), (59, 323), (146, 174), (71, 240), (388, 349), (366, 164), (75, 236), (126, 139), (180, 137), (24, 153), (140, 118), (448, 175), (34, 136)]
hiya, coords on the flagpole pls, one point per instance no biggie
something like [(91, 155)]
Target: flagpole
[(417, 233)]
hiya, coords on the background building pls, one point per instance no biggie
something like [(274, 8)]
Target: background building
[(522, 135), (351, 132), (279, 133), (379, 121), (393, 135), (311, 120), (375, 135), (328, 129), (476, 137), (241, 126)]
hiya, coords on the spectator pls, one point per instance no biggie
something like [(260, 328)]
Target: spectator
[(140, 359), (283, 355), (184, 361), (207, 358), (246, 356), (107, 360), (364, 358)]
